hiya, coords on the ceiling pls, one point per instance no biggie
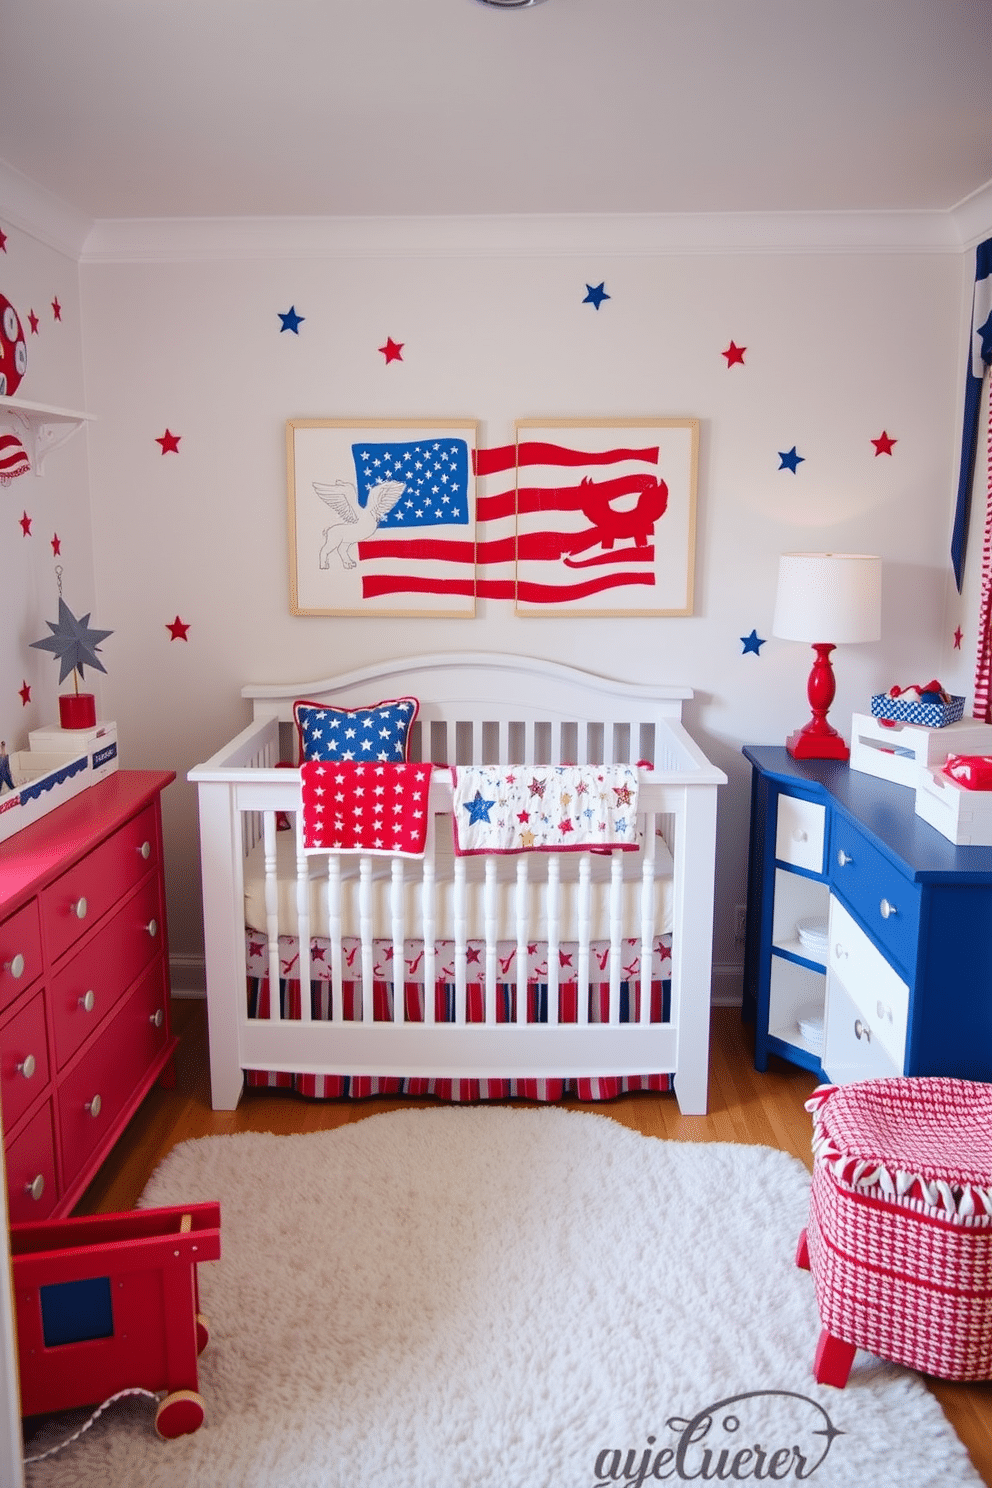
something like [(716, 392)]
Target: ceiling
[(217, 108)]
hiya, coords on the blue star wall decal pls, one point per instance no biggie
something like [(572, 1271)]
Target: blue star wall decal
[(596, 294), (290, 320), (752, 643), (478, 808), (790, 460)]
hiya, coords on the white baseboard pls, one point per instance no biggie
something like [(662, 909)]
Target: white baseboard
[(727, 984)]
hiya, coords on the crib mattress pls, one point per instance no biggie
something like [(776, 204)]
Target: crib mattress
[(475, 869)]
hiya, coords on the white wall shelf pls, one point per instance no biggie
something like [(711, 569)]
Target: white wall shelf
[(39, 427)]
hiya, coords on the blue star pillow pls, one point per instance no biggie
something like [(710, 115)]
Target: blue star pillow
[(380, 732)]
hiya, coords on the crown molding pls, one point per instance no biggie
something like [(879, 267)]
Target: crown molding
[(36, 211), (43, 216), (973, 216), (650, 234)]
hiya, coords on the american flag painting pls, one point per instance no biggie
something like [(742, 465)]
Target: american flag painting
[(574, 517), (604, 517), (382, 517)]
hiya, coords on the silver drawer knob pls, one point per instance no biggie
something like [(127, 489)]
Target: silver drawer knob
[(844, 858), (27, 1067), (152, 928), (862, 1031), (94, 1106), (88, 1002), (36, 1187), (80, 907), (157, 1018), (145, 850), (15, 967), (887, 910)]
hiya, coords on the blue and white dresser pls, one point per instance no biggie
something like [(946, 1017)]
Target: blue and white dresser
[(869, 934)]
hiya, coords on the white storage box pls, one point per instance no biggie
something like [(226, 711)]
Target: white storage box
[(899, 751), (963, 816), (43, 779)]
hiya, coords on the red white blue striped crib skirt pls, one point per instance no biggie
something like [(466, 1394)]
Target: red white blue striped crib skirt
[(340, 1087)]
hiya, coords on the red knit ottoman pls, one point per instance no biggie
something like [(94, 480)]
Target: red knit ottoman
[(899, 1236)]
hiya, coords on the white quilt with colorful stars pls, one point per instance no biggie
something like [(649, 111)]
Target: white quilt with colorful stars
[(544, 808)]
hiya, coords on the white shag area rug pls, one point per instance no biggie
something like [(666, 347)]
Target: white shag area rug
[(524, 1299)]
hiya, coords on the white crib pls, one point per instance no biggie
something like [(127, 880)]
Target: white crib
[(484, 708)]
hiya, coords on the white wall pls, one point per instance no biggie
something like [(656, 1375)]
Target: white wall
[(32, 275), (839, 346)]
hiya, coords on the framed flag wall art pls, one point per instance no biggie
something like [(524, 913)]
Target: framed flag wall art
[(605, 516), (382, 516)]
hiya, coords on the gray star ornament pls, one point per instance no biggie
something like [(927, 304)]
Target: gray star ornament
[(73, 642)]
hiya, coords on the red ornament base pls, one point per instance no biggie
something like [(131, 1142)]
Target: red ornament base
[(77, 710)]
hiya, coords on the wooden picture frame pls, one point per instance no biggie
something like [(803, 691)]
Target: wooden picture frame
[(606, 516), (382, 516)]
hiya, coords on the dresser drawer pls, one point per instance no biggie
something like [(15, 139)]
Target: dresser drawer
[(23, 1059), (31, 1188), (87, 987), (850, 1049), (800, 831), (77, 900), (886, 903), (95, 1091), (877, 993), (20, 952)]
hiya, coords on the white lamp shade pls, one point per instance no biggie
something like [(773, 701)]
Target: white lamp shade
[(828, 597)]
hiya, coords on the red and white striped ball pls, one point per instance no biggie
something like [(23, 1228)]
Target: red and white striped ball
[(13, 349)]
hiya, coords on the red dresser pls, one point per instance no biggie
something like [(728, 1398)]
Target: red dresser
[(84, 985)]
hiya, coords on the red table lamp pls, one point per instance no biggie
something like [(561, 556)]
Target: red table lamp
[(826, 594)]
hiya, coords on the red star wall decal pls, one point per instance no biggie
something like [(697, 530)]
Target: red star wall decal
[(392, 350), (3, 242), (26, 524), (734, 354), (177, 629), (169, 442), (883, 444), (56, 545), (958, 638), (33, 322), (56, 308), (25, 694)]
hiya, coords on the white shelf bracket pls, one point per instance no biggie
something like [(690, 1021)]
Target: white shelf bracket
[(39, 428)]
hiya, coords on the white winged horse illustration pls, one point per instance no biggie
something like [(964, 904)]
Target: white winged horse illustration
[(355, 523)]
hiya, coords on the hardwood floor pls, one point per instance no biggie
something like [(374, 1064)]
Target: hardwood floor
[(744, 1107)]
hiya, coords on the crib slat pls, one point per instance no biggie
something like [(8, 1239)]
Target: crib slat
[(520, 908), (583, 927), (491, 931), (271, 911), (554, 934), (366, 930), (616, 933), (649, 823), (428, 889), (459, 916), (303, 918), (398, 924), (332, 889)]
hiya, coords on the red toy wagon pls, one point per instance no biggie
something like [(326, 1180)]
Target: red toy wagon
[(110, 1302)]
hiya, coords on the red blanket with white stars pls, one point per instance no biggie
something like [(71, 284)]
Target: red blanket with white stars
[(374, 808)]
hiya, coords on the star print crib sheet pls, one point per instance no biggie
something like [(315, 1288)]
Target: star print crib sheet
[(436, 919)]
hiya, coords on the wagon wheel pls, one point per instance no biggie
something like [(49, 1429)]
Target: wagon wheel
[(179, 1414), (202, 1332)]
